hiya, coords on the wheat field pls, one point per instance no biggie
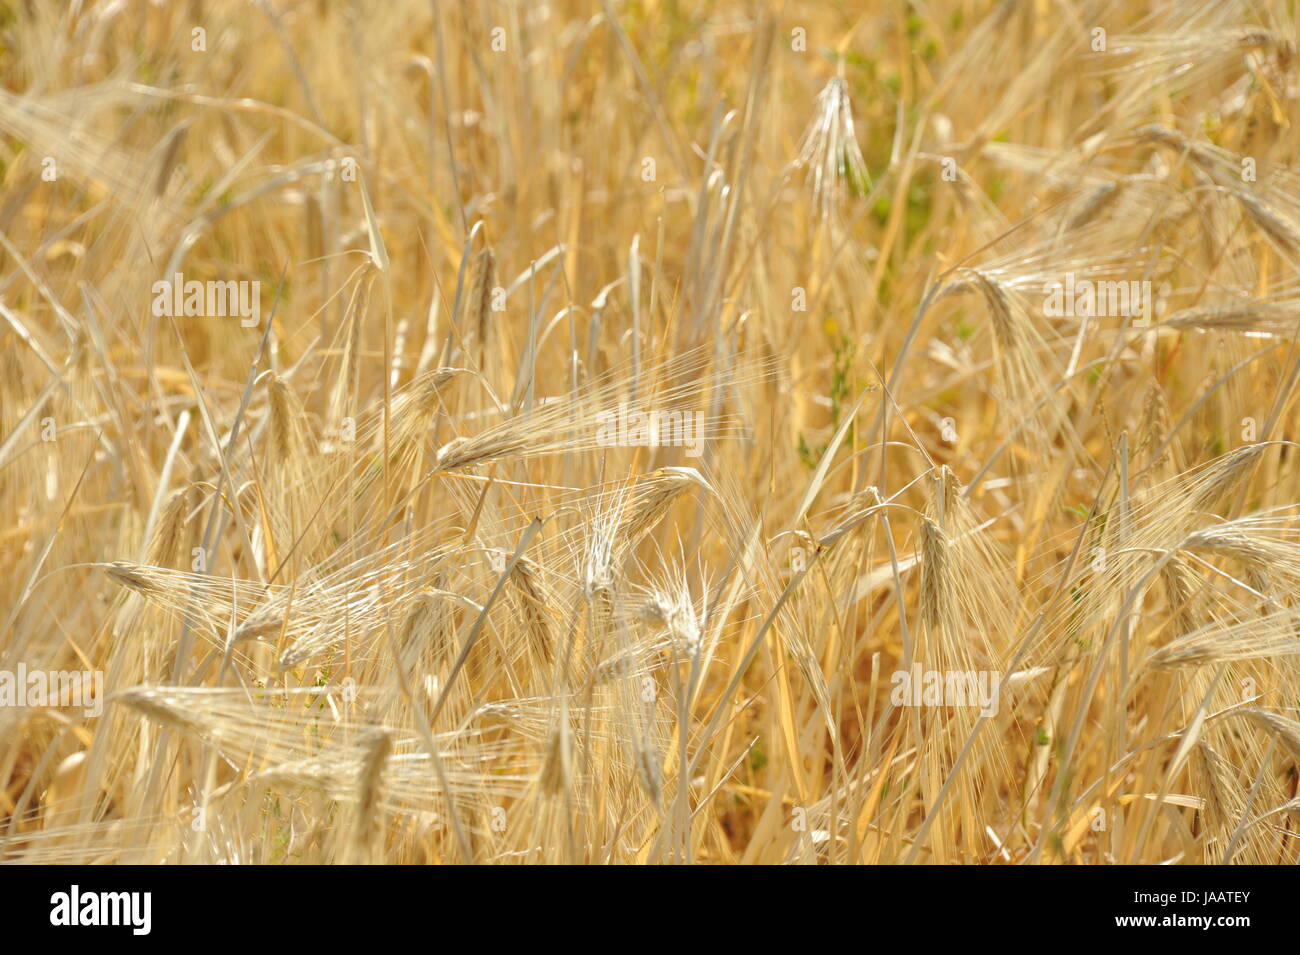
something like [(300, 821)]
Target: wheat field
[(649, 432)]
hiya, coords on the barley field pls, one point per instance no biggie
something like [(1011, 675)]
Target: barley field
[(649, 432)]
